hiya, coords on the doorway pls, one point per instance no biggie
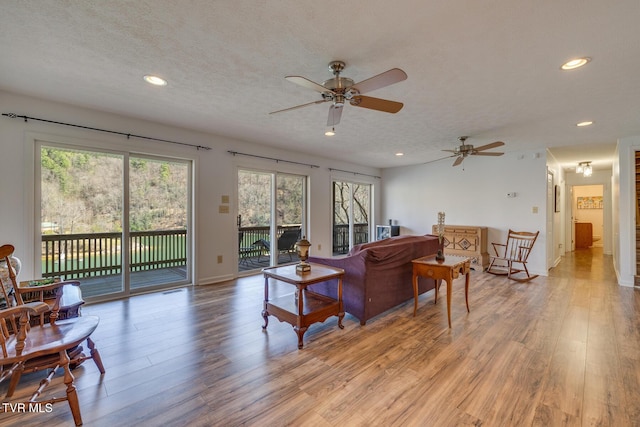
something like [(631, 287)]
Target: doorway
[(588, 216)]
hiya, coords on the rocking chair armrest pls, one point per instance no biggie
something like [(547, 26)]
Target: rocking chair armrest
[(31, 308), (495, 249), (46, 288), (523, 252)]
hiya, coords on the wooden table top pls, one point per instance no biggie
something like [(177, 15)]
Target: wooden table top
[(288, 273), (449, 260)]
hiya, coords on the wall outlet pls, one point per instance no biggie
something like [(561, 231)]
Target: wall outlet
[(534, 210), (219, 259), (319, 247)]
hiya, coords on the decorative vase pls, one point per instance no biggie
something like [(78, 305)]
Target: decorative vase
[(440, 255)]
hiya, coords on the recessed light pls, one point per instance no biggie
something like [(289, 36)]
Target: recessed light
[(587, 123), (399, 154), (575, 63), (155, 80)]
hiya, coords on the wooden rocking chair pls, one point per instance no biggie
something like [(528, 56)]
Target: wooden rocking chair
[(28, 346), (515, 251)]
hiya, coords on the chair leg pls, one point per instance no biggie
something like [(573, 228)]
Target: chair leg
[(72, 394), (95, 355), (15, 379)]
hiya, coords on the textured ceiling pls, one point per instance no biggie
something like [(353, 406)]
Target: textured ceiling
[(487, 69)]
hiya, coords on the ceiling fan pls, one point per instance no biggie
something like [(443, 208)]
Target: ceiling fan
[(464, 150), (339, 90)]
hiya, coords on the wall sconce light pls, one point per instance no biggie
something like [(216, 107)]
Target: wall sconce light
[(330, 132), (584, 168)]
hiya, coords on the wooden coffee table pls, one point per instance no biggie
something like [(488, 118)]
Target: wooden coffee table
[(304, 307), (451, 268)]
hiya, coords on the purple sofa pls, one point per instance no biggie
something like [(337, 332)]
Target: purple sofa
[(378, 274)]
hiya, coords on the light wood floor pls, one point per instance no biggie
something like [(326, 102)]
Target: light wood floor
[(562, 350)]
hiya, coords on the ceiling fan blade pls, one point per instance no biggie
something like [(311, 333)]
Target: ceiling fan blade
[(335, 113), (458, 161), (488, 153), (387, 78), (304, 82), (437, 160), (377, 104), (489, 146), (300, 106)]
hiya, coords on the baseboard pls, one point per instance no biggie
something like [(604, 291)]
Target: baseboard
[(216, 279)]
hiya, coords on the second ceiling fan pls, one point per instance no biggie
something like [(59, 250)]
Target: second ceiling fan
[(464, 150), (339, 90)]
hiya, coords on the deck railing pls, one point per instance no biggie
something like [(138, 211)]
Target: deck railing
[(341, 237), (248, 236), (76, 256)]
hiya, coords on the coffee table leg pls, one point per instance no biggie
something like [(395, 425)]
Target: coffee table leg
[(449, 301), (466, 290), (415, 294), (300, 332), (265, 313)]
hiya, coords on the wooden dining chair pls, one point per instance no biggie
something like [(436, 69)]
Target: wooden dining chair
[(516, 250), (35, 346)]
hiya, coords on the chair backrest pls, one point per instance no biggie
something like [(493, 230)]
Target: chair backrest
[(519, 245), (8, 278), (288, 239)]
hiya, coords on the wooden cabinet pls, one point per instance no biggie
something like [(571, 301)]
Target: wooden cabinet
[(468, 241), (584, 235)]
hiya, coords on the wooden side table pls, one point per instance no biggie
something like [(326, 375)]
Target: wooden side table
[(304, 307), (451, 268)]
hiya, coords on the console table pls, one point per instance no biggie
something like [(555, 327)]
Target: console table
[(451, 268), (302, 308), (466, 240)]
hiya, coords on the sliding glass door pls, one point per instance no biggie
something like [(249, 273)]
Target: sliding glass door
[(116, 222), (81, 213), (351, 213), (158, 219), (271, 214)]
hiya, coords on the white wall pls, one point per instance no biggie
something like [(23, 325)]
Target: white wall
[(215, 175), (475, 194)]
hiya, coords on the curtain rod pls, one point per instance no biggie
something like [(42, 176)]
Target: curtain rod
[(235, 153), (355, 173), (128, 135)]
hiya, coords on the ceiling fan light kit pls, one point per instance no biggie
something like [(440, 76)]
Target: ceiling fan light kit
[(341, 90)]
